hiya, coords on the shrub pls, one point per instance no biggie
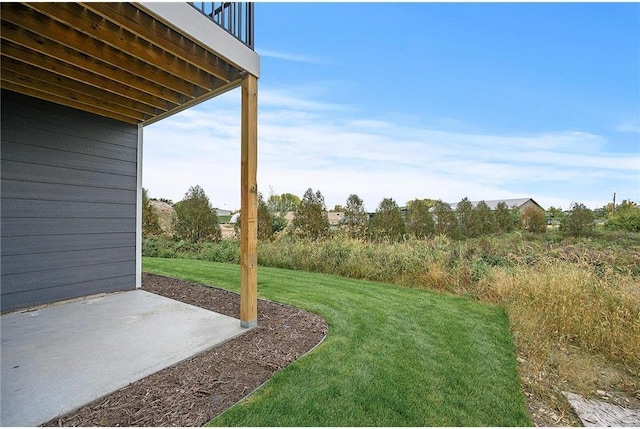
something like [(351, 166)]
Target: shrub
[(626, 217), (579, 221), (196, 221), (150, 218), (533, 220)]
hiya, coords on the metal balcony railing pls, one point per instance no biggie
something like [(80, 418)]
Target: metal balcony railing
[(235, 17)]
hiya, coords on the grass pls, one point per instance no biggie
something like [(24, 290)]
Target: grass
[(573, 303), (393, 356)]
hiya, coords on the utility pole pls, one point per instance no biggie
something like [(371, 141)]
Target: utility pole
[(614, 204)]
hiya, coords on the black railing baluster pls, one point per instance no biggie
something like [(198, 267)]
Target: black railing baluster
[(232, 16)]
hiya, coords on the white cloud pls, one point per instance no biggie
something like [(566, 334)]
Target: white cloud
[(307, 142), (288, 56), (629, 126)]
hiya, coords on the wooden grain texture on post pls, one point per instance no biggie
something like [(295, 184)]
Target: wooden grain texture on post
[(249, 202)]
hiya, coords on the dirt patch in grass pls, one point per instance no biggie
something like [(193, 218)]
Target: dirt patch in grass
[(196, 390)]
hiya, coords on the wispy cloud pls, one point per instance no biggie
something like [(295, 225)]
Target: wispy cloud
[(305, 141), (629, 126), (288, 56)]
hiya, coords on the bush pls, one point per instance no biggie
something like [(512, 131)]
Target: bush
[(150, 218), (626, 218), (533, 220), (579, 221), (196, 221)]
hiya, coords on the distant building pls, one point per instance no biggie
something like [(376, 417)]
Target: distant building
[(222, 212), (520, 203), (334, 217)]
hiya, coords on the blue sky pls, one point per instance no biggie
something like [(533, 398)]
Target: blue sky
[(424, 100)]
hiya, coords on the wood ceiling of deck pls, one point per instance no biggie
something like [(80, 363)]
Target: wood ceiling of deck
[(111, 59)]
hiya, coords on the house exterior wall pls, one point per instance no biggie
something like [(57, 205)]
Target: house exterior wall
[(68, 203)]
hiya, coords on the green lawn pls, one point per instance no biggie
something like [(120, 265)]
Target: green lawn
[(393, 356)]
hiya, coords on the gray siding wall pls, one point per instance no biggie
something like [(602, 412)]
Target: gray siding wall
[(68, 206)]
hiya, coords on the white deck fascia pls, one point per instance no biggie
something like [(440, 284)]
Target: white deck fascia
[(186, 19)]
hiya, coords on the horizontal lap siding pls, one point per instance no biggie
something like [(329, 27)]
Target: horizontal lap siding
[(69, 186)]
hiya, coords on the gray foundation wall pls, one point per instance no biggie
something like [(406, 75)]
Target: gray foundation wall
[(68, 203)]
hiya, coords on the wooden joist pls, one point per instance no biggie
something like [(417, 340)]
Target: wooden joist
[(134, 65)]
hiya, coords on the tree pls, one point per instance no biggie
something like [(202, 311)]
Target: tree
[(387, 222), (150, 218), (196, 221), (484, 220), (445, 219), (278, 206), (355, 218), (504, 218), (579, 221), (533, 220), (310, 220), (626, 217), (419, 219), (426, 201), (464, 210), (282, 204), (555, 214), (265, 227)]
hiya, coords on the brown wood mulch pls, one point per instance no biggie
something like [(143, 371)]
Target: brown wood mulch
[(196, 390)]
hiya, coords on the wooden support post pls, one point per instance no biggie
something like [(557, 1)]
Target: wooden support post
[(249, 204)]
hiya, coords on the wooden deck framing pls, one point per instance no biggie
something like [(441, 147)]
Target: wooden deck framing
[(113, 59)]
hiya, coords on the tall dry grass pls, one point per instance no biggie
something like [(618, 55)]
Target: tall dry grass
[(560, 294), (559, 302), (580, 293)]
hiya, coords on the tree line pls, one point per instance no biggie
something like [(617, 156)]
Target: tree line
[(196, 221)]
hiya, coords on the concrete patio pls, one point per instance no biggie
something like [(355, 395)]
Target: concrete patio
[(57, 358)]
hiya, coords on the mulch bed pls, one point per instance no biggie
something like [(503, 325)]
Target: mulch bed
[(196, 390)]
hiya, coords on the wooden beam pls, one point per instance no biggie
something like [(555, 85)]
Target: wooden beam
[(17, 74), (36, 93), (249, 204), (46, 27), (64, 75)]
